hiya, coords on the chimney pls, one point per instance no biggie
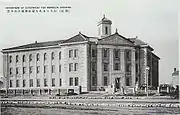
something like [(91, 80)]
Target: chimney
[(174, 69)]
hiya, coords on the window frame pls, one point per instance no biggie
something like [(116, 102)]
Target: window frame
[(70, 81), (76, 81)]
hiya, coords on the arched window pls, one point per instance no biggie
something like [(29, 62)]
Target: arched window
[(24, 58), (45, 56), (30, 57), (37, 57), (52, 55), (10, 59), (59, 55), (17, 58)]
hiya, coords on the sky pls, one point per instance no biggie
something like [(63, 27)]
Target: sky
[(153, 21)]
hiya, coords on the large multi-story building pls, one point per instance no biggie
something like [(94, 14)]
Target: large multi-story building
[(80, 64)]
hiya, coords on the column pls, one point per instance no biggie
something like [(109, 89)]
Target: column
[(111, 79), (122, 63), (133, 65), (99, 66)]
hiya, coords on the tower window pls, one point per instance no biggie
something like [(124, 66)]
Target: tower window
[(106, 30)]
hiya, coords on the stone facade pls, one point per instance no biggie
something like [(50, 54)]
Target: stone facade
[(80, 64)]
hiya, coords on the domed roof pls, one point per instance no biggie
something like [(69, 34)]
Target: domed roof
[(105, 20)]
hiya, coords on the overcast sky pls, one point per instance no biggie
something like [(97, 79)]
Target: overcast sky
[(153, 21)]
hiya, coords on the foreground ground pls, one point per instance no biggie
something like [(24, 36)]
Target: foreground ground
[(90, 105), (88, 111)]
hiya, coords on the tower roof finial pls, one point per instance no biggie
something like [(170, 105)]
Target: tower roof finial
[(116, 30), (104, 16)]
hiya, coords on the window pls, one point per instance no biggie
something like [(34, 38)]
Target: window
[(45, 69), (76, 81), (59, 55), (59, 68), (116, 53), (127, 81), (24, 58), (38, 83), (31, 82), (37, 57), (70, 53), (70, 66), (93, 66), (10, 59), (93, 53), (10, 71), (37, 69), (53, 82), (94, 80), (10, 83), (30, 57), (24, 70), (24, 83), (53, 68), (128, 55), (60, 82), (30, 69), (105, 81), (71, 81), (17, 83), (75, 66), (105, 52), (52, 55), (75, 53), (45, 82), (105, 66), (45, 56), (136, 55), (117, 66), (128, 67), (17, 58), (17, 70), (106, 30)]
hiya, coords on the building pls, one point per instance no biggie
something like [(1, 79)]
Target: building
[(80, 64), (175, 78)]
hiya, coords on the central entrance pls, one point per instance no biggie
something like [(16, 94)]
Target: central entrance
[(117, 83)]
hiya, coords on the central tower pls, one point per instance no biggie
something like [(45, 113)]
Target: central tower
[(104, 27)]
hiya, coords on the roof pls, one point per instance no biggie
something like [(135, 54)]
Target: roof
[(105, 20), (138, 41), (154, 55), (141, 43), (116, 39), (77, 38), (36, 44)]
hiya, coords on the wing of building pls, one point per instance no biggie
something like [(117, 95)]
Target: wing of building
[(80, 64)]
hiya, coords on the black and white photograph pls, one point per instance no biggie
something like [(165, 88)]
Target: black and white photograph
[(89, 57)]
